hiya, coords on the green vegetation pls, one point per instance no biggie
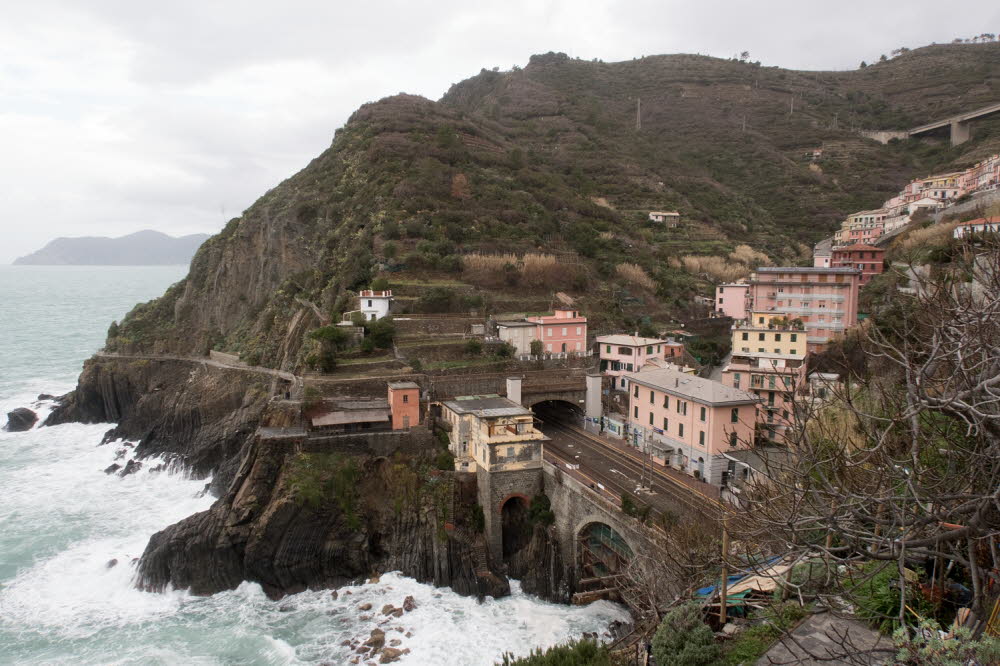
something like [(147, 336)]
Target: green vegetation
[(925, 647), (753, 642), (316, 479), (540, 511), (579, 653), (683, 639), (875, 592)]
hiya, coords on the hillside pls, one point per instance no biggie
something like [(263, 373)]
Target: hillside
[(548, 159), (143, 248)]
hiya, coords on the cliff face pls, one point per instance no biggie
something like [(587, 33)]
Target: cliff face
[(199, 417), (378, 515)]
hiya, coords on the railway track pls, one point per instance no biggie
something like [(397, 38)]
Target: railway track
[(661, 484)]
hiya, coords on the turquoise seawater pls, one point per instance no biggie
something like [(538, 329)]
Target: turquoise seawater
[(62, 520)]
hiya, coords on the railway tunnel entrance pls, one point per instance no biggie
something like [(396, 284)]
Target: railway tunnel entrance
[(601, 551)]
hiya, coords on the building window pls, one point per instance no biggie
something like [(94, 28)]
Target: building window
[(608, 348), (548, 346), (760, 320), (406, 398), (510, 451), (651, 418), (701, 438), (636, 391), (795, 337), (777, 337), (680, 429), (666, 424), (746, 336), (734, 415), (635, 412), (733, 439), (666, 400), (369, 303), (652, 397), (760, 337), (578, 330), (550, 332), (564, 331), (736, 380), (702, 415), (649, 349)]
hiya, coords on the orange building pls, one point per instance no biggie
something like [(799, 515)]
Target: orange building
[(404, 404)]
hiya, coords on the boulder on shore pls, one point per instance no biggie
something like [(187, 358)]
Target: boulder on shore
[(131, 467), (20, 419)]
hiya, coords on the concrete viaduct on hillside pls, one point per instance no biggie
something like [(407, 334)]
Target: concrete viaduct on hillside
[(958, 126)]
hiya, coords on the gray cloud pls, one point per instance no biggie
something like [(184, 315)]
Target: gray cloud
[(118, 115)]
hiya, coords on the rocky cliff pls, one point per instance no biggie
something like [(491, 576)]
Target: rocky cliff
[(292, 520)]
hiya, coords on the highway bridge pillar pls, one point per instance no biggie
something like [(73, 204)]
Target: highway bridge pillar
[(592, 404), (960, 132)]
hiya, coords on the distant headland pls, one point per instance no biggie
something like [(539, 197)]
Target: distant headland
[(143, 248)]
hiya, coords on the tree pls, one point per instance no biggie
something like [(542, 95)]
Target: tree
[(900, 472), (863, 64), (537, 347), (380, 284), (883, 58), (474, 347), (683, 639), (331, 339), (381, 333)]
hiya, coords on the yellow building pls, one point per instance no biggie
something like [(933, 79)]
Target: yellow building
[(491, 433), (770, 333)]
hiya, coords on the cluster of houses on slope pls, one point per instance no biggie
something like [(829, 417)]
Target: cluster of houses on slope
[(931, 193)]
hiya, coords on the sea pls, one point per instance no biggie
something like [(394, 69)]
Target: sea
[(63, 521)]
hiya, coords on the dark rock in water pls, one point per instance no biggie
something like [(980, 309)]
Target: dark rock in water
[(131, 467), (111, 564), (204, 491), (20, 419), (120, 453), (45, 396), (334, 595), (157, 468), (390, 655), (377, 639), (286, 608), (409, 603), (111, 469), (388, 609)]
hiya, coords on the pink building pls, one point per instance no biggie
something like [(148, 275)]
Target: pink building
[(731, 299), (404, 404), (870, 260), (689, 422), (825, 299), (621, 354), (564, 331)]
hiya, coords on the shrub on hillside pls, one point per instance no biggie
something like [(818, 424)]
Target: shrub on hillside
[(683, 639), (745, 254), (580, 653), (714, 267)]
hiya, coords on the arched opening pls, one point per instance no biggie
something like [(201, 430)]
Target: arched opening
[(601, 551), (557, 412), (516, 529)]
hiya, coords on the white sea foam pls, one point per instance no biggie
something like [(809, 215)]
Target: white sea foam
[(62, 519)]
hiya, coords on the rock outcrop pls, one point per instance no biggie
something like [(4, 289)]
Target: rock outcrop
[(264, 529), (20, 419), (198, 416)]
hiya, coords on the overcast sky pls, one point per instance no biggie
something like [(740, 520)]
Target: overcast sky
[(118, 115)]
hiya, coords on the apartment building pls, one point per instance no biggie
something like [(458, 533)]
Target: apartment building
[(868, 259), (622, 354)]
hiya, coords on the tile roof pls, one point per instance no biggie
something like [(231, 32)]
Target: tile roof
[(804, 269), (693, 388), (629, 340), (403, 385)]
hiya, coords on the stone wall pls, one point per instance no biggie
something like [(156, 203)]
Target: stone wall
[(972, 206), (494, 489), (414, 441)]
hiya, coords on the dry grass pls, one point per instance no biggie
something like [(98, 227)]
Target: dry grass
[(636, 275), (531, 270), (748, 256), (936, 235), (715, 268)]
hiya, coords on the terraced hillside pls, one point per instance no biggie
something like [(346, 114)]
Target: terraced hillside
[(548, 160)]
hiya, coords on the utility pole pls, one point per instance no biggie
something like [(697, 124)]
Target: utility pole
[(744, 122), (791, 105), (724, 586), (638, 114)]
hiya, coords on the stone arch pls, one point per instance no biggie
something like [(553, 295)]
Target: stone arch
[(515, 529), (601, 549), (597, 519)]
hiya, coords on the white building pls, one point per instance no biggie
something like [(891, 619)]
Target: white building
[(981, 225), (374, 304), (670, 217)]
